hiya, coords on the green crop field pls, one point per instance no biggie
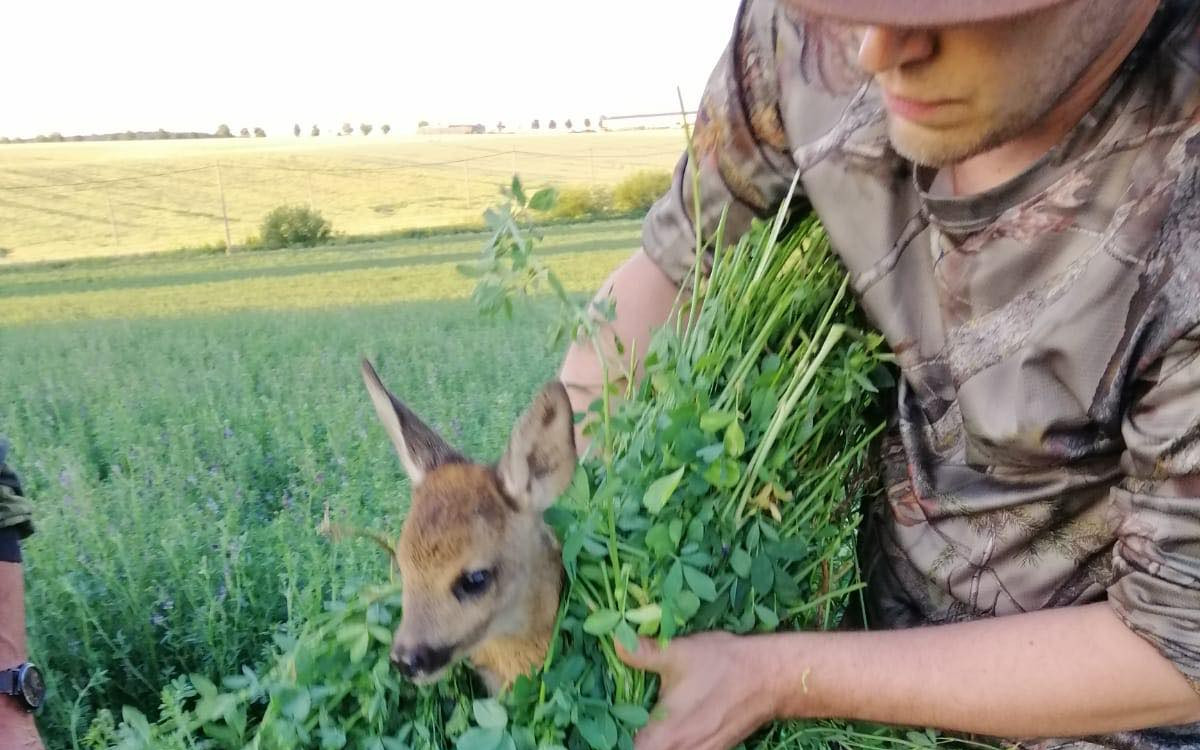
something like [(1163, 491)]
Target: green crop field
[(68, 200), (182, 420)]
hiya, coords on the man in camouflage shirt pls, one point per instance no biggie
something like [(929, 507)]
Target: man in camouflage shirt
[(1014, 187)]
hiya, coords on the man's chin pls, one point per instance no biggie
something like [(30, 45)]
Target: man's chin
[(928, 147)]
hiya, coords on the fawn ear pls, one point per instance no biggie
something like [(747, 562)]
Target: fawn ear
[(540, 460), (421, 450)]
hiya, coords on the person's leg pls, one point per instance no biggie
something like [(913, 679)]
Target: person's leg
[(17, 729)]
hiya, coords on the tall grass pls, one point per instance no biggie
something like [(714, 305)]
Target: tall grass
[(179, 470)]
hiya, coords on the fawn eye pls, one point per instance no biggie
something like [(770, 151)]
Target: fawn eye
[(472, 583)]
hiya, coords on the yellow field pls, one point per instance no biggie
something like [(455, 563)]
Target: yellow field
[(69, 200)]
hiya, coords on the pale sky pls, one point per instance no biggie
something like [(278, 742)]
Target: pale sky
[(83, 67)]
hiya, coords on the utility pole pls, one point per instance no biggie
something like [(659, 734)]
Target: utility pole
[(112, 218), (224, 212)]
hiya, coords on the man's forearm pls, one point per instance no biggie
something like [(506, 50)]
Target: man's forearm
[(644, 298), (1057, 673), (17, 729)]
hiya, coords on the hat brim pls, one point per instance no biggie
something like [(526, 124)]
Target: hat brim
[(922, 13)]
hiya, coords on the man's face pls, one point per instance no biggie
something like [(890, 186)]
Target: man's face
[(957, 91)]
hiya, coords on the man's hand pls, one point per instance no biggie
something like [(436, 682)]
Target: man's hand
[(713, 693), (1069, 672)]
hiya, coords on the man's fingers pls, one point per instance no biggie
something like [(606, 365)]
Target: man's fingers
[(649, 657)]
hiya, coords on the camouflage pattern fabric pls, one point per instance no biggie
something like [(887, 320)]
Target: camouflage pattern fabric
[(1046, 446)]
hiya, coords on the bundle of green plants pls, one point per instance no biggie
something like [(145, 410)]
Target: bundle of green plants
[(724, 493)]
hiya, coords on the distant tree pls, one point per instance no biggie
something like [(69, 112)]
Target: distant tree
[(6, 139), (386, 128), (223, 131), (245, 133), (535, 125), (567, 124), (315, 131), (56, 137), (587, 122), (260, 133), (296, 130), (347, 129), (162, 135), (365, 128), (500, 127), (552, 125), (423, 124)]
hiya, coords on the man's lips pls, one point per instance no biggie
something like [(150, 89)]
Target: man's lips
[(914, 109)]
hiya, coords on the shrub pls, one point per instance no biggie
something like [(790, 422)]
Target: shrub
[(638, 192), (578, 202), (292, 226)]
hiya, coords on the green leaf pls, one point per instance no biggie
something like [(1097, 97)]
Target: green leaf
[(740, 562), (544, 199), (630, 715), (332, 738), (700, 583), (479, 738), (673, 583), (518, 192), (723, 473), (599, 732), (766, 616), (359, 649), (658, 540), (735, 440), (296, 706), (204, 686), (625, 636), (489, 714), (714, 419), (762, 573), (687, 603), (660, 491), (711, 452), (648, 613), (601, 622)]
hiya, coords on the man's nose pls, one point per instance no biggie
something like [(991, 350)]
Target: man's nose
[(887, 47)]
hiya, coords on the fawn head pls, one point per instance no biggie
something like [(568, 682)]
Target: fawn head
[(481, 571)]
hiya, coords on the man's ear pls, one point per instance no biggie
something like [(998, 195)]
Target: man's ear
[(540, 460), (421, 450)]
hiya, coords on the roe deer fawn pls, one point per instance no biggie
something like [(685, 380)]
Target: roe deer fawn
[(480, 569)]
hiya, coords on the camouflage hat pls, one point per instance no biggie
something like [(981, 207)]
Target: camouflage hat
[(922, 12)]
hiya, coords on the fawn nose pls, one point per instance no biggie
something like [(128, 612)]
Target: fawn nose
[(419, 660)]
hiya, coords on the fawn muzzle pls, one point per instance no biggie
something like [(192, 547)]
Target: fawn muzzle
[(420, 661)]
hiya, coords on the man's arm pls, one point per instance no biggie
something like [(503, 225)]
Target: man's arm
[(1056, 673), (744, 169), (644, 298), (17, 728)]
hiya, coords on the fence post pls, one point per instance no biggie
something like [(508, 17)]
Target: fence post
[(224, 212), (112, 218)]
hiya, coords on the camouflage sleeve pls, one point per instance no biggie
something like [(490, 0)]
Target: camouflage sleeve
[(1156, 559), (742, 153), (15, 510)]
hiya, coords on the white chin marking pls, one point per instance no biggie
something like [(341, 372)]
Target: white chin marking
[(429, 679)]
